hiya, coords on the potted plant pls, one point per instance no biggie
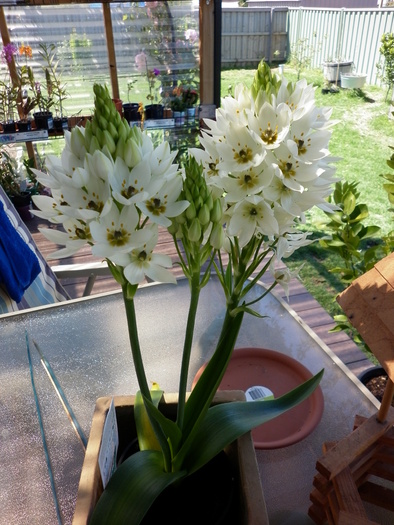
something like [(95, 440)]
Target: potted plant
[(190, 97), (8, 92), (55, 88), (249, 213), (178, 106), (13, 184), (154, 110), (132, 111)]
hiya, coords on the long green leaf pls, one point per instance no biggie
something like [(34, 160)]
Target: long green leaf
[(226, 422), (132, 490), (147, 438), (170, 428)]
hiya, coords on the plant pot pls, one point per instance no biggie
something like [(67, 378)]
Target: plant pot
[(191, 115), (333, 70), (24, 125), (23, 205), (353, 80), (375, 380), (9, 127), (179, 117), (130, 112), (60, 123), (43, 120), (154, 111), (250, 504), (265, 372)]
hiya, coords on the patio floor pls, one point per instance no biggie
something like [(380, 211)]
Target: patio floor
[(308, 310)]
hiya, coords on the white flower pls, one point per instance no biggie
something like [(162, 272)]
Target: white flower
[(208, 157), (161, 161), (130, 185), (141, 261), (76, 235), (240, 151), (116, 232), (250, 216), (163, 203), (248, 182), (271, 124), (292, 172)]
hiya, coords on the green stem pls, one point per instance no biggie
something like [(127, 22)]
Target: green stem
[(187, 347), (135, 344)]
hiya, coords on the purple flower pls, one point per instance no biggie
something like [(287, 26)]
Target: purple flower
[(8, 52), (156, 72)]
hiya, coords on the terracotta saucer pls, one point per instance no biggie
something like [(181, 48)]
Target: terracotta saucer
[(252, 367)]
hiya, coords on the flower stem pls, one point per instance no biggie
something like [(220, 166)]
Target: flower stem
[(135, 344), (187, 347)]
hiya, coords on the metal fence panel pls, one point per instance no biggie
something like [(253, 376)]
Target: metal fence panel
[(345, 34)]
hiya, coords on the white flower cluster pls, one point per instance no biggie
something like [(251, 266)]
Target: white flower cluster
[(267, 152), (115, 203)]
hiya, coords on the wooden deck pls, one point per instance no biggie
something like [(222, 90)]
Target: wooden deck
[(306, 307)]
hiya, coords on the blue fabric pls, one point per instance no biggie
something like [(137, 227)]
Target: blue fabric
[(19, 265)]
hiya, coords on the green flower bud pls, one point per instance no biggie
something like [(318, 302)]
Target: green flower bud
[(94, 145), (112, 130), (191, 211), (216, 212), (132, 154), (109, 141), (103, 123), (216, 238), (209, 200), (120, 148), (194, 232), (100, 136), (122, 131), (203, 215)]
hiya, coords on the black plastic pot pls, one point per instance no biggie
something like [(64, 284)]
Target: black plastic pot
[(43, 120), (154, 111), (130, 112), (9, 127), (60, 123), (371, 373), (24, 125)]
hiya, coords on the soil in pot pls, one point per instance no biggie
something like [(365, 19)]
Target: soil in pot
[(375, 380)]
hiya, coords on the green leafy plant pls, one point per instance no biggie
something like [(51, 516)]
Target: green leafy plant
[(385, 66), (349, 233), (56, 89), (302, 53), (389, 189), (9, 173)]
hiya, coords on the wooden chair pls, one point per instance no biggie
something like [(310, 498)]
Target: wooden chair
[(46, 288), (360, 467)]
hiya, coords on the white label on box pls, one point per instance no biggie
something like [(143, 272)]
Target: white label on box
[(109, 445)]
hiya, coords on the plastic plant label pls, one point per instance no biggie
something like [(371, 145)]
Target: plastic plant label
[(258, 392), (109, 445)]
